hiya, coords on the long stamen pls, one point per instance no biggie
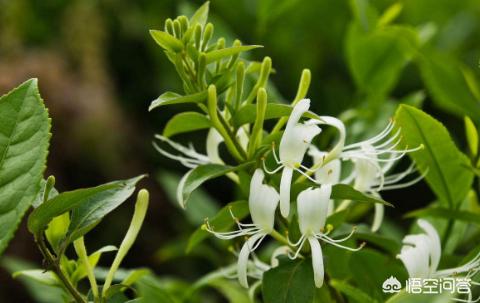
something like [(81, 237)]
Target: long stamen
[(387, 142), (374, 139), (352, 232), (298, 250), (306, 175), (296, 243), (407, 184), (327, 239), (271, 172), (190, 163), (277, 159), (307, 168), (184, 150)]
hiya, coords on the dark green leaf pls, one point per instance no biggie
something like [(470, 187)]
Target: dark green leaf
[(445, 213), (169, 98), (186, 122), (450, 90), (346, 192), (90, 205), (24, 140), (223, 221), (203, 173), (291, 281), (445, 166), (167, 41)]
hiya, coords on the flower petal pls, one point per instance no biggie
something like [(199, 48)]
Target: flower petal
[(435, 245), (181, 185), (263, 202), (312, 209), (317, 261), (378, 217), (285, 184), (242, 263), (213, 141)]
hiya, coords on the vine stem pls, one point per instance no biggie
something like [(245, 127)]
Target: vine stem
[(56, 268)]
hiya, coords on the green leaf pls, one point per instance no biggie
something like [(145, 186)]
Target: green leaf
[(201, 15), (233, 292), (353, 293), (167, 41), (57, 230), (39, 275), (445, 213), (376, 59), (445, 81), (200, 175), (152, 290), (291, 281), (24, 140), (169, 98), (89, 205), (219, 54), (446, 168), (91, 211), (472, 136), (346, 192), (186, 122), (222, 221)]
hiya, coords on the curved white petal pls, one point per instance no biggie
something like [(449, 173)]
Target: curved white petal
[(435, 245), (415, 255), (242, 263), (378, 217), (279, 251), (213, 141), (285, 184), (317, 261), (297, 136), (181, 185), (312, 209), (338, 124), (263, 202)]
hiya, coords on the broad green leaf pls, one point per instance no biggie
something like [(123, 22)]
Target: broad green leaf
[(445, 213), (472, 136), (169, 98), (376, 59), (446, 83), (108, 196), (167, 41), (446, 168), (353, 293), (231, 290), (39, 275), (291, 281), (151, 290), (404, 297), (91, 211), (200, 175), (390, 14), (201, 205), (186, 122), (221, 222), (135, 275), (220, 54), (346, 192), (24, 140)]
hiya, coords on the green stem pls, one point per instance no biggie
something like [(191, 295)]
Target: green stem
[(52, 262), (257, 130), (81, 251)]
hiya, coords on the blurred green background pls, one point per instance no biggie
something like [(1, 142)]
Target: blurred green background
[(99, 69)]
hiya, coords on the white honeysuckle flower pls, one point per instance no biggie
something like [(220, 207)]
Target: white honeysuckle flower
[(421, 255), (328, 174), (312, 208), (263, 201)]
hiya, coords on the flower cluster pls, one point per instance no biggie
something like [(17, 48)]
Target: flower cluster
[(370, 162)]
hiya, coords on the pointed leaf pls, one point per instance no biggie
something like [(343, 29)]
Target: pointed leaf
[(346, 192), (186, 122), (445, 213), (201, 15), (445, 166), (167, 41), (24, 140), (169, 98)]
